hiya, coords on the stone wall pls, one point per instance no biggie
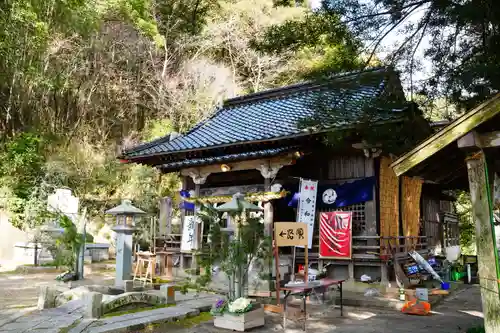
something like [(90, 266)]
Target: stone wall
[(9, 236)]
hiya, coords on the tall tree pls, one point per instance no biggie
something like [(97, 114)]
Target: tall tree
[(460, 38)]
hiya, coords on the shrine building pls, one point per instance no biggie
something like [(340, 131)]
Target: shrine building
[(343, 133)]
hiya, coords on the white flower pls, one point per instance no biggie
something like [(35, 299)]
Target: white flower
[(239, 304)]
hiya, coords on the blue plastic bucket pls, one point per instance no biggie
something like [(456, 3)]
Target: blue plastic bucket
[(445, 286)]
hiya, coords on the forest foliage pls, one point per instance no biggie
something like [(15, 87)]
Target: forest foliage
[(80, 80)]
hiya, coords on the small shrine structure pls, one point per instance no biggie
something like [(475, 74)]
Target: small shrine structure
[(263, 144), (465, 155)]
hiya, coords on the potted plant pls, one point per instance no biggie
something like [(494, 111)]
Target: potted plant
[(232, 249), (239, 315), (219, 308)]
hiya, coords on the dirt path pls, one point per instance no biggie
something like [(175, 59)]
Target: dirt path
[(21, 290)]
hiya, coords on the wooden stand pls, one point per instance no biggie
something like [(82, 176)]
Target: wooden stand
[(279, 241), (145, 267), (166, 264)]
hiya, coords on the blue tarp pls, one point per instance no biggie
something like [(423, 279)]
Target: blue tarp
[(347, 194)]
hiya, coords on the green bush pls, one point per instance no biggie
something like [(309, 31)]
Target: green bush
[(89, 238)]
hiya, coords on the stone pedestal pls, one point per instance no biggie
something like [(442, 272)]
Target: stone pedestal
[(93, 305), (46, 297), (123, 255), (128, 286), (168, 291)]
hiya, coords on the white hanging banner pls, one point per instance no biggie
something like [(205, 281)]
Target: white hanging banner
[(306, 208), (188, 241)]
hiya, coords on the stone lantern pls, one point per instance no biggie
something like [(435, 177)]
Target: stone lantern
[(238, 204), (125, 214)]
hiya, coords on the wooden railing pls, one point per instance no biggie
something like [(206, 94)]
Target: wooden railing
[(375, 245), (450, 229), (442, 233), (172, 242), (433, 231), (380, 245)]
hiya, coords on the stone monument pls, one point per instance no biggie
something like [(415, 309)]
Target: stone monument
[(125, 214), (63, 201)]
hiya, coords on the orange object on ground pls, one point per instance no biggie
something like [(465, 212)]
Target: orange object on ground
[(416, 307)]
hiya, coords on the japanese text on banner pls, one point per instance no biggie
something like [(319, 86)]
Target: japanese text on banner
[(306, 209), (188, 242)]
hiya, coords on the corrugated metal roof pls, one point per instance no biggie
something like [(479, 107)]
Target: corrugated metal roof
[(278, 113)]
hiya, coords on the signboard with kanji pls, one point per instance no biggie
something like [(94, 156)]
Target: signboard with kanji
[(188, 241), (306, 209), (290, 234), (335, 235)]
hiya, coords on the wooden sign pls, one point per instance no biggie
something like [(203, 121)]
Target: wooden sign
[(290, 234)]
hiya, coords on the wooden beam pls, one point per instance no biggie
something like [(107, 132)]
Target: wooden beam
[(447, 135), (470, 141), (242, 165), (474, 140), (451, 176), (433, 170), (485, 242), (490, 139)]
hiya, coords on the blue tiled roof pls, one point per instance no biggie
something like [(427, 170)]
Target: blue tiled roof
[(276, 114), (192, 162)]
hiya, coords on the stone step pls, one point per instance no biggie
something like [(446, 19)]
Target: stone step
[(139, 320)]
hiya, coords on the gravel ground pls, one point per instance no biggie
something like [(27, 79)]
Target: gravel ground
[(456, 314)]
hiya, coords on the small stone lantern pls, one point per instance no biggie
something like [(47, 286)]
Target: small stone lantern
[(238, 204), (125, 214)]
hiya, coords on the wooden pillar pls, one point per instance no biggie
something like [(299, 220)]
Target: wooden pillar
[(198, 180), (482, 211), (384, 276), (268, 172), (268, 210), (182, 264), (485, 243), (350, 270)]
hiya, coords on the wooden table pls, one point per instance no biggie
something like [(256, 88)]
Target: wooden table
[(166, 264), (305, 290)]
